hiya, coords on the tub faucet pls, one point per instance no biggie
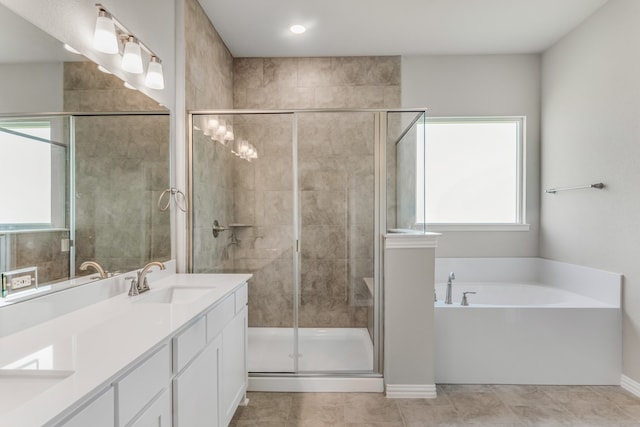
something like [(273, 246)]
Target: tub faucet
[(452, 277), (139, 284), (97, 267)]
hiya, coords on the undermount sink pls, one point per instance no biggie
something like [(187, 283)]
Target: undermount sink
[(174, 295), (20, 385)]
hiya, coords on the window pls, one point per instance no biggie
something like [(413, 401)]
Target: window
[(33, 175), (474, 171)]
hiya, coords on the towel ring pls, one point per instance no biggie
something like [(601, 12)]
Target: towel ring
[(177, 196)]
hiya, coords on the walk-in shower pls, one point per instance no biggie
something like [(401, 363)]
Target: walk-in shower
[(301, 199)]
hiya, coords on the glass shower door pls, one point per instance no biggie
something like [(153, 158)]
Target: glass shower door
[(243, 182), (336, 196)]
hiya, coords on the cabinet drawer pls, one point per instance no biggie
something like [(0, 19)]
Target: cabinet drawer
[(220, 316), (99, 413), (142, 384), (188, 343), (242, 297)]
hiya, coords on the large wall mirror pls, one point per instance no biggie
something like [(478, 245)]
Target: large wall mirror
[(81, 186)]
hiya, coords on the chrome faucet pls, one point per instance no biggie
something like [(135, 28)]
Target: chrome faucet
[(97, 267), (452, 277), (140, 284)]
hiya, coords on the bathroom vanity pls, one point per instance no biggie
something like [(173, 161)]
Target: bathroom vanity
[(175, 355)]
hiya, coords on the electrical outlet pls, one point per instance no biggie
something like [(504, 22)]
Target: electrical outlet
[(21, 281)]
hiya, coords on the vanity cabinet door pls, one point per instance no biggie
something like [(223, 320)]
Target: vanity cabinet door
[(234, 366), (99, 413), (158, 414), (195, 390)]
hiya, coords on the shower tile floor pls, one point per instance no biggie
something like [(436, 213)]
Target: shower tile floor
[(456, 405)]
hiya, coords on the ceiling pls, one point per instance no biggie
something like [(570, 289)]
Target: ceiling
[(253, 28)]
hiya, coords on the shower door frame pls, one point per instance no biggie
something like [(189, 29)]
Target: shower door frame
[(380, 222)]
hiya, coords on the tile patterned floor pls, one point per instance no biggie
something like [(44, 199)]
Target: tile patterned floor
[(456, 405)]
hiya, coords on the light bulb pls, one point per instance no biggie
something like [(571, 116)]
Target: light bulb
[(155, 76), (104, 36), (213, 123), (229, 134), (222, 128), (132, 57)]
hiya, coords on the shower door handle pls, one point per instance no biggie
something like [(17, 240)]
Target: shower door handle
[(217, 228)]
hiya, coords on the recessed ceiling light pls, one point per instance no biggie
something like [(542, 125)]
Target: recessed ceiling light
[(70, 49), (297, 29)]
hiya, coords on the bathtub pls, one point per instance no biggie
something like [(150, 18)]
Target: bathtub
[(531, 321)]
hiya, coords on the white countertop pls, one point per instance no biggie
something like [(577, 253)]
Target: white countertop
[(98, 341)]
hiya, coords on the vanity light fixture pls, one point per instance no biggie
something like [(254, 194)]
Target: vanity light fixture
[(297, 29), (155, 76), (104, 70), (108, 37), (104, 36), (129, 86), (132, 56)]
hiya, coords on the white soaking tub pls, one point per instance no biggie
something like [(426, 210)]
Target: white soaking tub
[(531, 321)]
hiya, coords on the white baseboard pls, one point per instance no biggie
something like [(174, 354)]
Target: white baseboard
[(411, 391), (630, 385), (316, 384)]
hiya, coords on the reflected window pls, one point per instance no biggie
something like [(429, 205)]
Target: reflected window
[(33, 176)]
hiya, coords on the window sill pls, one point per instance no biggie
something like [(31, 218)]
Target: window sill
[(478, 227)]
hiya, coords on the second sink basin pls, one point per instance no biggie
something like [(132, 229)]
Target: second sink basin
[(174, 295)]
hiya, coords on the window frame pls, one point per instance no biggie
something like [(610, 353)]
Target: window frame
[(520, 224)]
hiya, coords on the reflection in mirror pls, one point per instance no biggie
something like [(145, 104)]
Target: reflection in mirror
[(34, 214), (94, 177)]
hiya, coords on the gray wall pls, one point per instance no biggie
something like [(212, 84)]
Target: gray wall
[(491, 85), (591, 108)]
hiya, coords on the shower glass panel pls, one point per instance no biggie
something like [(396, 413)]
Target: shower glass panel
[(243, 189), (406, 175), (336, 196)]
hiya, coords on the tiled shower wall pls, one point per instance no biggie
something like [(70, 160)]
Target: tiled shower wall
[(122, 166), (336, 185), (209, 83)]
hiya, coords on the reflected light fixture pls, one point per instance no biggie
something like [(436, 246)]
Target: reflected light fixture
[(132, 56), (104, 37), (155, 76), (297, 29)]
